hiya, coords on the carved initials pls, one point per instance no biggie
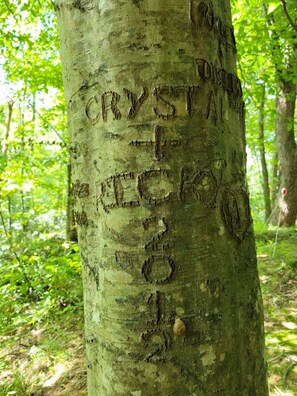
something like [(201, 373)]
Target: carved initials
[(81, 190), (147, 182), (211, 111), (136, 102), (115, 97), (202, 15), (81, 218), (119, 191), (219, 77), (158, 92), (203, 182), (91, 111), (236, 213)]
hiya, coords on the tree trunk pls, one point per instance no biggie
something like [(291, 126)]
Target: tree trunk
[(275, 183), (264, 170), (284, 53), (10, 104), (172, 297), (4, 161), (287, 152)]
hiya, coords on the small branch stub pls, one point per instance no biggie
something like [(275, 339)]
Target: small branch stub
[(179, 327)]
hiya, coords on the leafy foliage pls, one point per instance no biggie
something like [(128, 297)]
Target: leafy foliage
[(38, 276), (266, 40), (36, 264), (277, 266)]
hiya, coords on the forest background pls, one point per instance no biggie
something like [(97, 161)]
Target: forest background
[(41, 310)]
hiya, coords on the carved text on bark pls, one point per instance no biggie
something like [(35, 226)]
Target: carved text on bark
[(203, 18), (127, 190), (158, 143), (236, 213), (166, 100)]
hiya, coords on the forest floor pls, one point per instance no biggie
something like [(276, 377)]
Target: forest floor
[(47, 358)]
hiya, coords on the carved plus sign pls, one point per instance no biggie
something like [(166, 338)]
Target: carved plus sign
[(159, 143)]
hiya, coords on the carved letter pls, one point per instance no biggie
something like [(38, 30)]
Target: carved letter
[(152, 188), (163, 102), (81, 190), (211, 110), (201, 15), (204, 69), (119, 191), (236, 213), (203, 183), (115, 97), (190, 98), (91, 110), (81, 218), (155, 302), (135, 102)]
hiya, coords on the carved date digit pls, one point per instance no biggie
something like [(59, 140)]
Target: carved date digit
[(159, 341), (158, 269), (155, 301), (154, 243)]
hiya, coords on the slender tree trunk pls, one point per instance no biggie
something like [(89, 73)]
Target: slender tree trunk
[(284, 125), (5, 146), (287, 151), (10, 104), (275, 179), (172, 297), (264, 170), (24, 207)]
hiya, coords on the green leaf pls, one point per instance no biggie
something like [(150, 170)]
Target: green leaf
[(272, 7)]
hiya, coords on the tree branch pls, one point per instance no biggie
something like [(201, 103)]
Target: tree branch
[(50, 125), (288, 369), (7, 6), (284, 3)]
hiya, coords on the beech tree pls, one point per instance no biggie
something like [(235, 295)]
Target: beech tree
[(156, 121), (266, 34), (283, 31)]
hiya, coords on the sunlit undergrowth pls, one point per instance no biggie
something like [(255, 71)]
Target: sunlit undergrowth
[(46, 358), (277, 257), (42, 342), (37, 276), (41, 318)]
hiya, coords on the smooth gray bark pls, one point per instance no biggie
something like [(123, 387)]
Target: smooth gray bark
[(156, 126), (287, 152)]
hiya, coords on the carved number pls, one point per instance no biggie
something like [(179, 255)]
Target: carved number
[(161, 342), (154, 243)]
